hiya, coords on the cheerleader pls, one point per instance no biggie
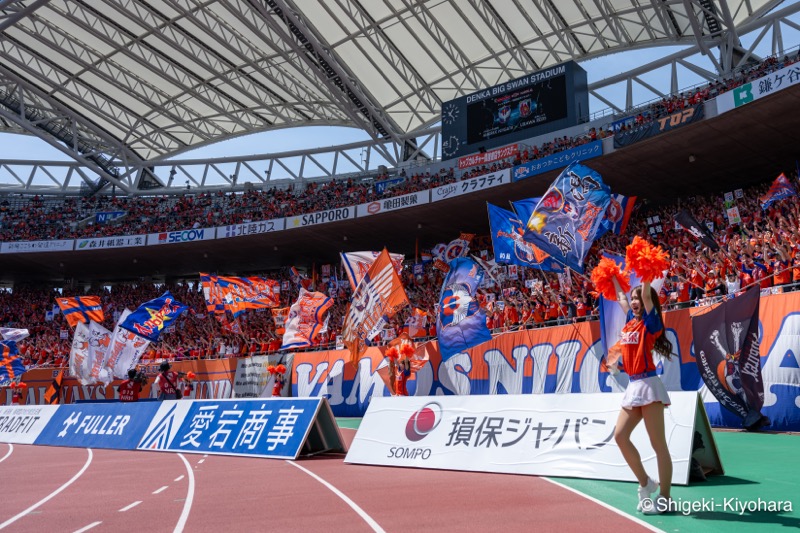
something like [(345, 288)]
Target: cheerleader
[(646, 396)]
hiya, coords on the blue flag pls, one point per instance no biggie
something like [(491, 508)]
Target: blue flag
[(150, 319), (568, 218), (461, 323), (781, 188), (510, 247), (525, 208), (11, 366), (618, 214)]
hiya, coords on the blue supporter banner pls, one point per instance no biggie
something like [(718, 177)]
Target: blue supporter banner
[(264, 427), (101, 217), (118, 426), (559, 160), (381, 186)]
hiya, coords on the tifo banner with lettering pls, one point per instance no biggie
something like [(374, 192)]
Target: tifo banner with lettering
[(22, 424), (565, 359), (515, 434), (559, 160), (671, 122), (268, 427)]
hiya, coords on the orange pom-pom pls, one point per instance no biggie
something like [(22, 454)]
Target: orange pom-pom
[(13, 385), (271, 369), (281, 369), (22, 385), (648, 261), (603, 278), (190, 375), (407, 350), (392, 353)]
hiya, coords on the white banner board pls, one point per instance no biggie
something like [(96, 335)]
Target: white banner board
[(321, 217), (21, 424), (392, 204), (570, 435), (102, 243), (20, 247), (481, 183)]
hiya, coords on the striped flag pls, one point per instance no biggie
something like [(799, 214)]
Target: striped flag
[(53, 394), (11, 366), (356, 264), (376, 299), (81, 309)]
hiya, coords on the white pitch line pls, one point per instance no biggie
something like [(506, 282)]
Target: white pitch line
[(179, 478), (639, 521), (159, 491), (187, 504), (129, 507), (51, 495), (363, 514), (10, 451), (87, 528)]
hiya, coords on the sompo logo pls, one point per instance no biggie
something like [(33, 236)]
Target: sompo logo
[(423, 421)]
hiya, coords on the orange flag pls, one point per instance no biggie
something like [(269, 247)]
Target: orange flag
[(377, 298)]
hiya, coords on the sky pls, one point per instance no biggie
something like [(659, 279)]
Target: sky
[(30, 148)]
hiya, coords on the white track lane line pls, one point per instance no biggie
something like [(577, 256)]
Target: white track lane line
[(162, 489), (129, 507), (632, 518), (367, 518), (87, 528), (10, 451), (187, 505), (179, 478), (52, 494)]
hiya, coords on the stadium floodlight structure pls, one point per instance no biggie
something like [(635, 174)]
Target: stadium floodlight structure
[(125, 87)]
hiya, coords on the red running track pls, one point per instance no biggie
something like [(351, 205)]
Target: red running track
[(74, 489)]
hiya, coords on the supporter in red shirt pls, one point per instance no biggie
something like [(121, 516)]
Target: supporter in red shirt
[(130, 389)]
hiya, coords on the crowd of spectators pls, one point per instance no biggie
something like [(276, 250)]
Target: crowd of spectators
[(45, 218), (763, 249)]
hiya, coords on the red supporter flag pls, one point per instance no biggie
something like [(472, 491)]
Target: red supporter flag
[(81, 309)]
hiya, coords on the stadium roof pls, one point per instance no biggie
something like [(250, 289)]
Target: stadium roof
[(145, 80)]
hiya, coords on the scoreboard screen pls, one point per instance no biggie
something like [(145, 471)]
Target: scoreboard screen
[(541, 102), (530, 106)]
